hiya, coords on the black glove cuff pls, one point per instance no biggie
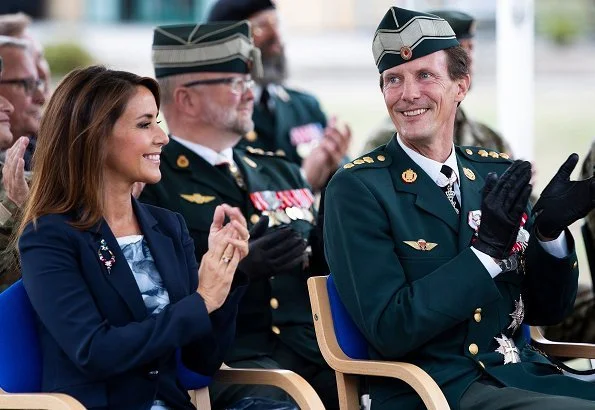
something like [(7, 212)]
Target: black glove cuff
[(489, 250), (547, 232)]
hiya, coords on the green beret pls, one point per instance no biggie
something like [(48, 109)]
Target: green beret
[(405, 35), (211, 47), (462, 23), (233, 10)]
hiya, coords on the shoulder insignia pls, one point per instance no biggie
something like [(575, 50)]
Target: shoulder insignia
[(197, 198), (259, 151), (250, 163), (478, 154), (372, 159)]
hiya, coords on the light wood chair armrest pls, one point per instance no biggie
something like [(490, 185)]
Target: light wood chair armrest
[(561, 349), (40, 401), (292, 383), (418, 379)]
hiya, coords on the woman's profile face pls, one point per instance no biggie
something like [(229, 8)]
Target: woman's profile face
[(134, 146)]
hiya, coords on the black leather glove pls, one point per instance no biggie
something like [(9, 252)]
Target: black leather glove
[(563, 201), (502, 207), (272, 251)]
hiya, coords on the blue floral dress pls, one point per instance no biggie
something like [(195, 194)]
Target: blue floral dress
[(141, 262)]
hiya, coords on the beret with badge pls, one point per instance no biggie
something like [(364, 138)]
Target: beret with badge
[(210, 47), (233, 10), (404, 35)]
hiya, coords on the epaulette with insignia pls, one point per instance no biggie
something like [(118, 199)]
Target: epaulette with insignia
[(479, 154), (375, 159), (259, 151)]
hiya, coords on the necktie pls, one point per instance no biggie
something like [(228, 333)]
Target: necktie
[(266, 100), (448, 187), (232, 171)]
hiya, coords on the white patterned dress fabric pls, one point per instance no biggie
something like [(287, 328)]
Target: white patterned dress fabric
[(141, 262), (155, 296)]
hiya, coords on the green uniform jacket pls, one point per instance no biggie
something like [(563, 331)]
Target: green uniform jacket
[(270, 306), (278, 131), (466, 132), (422, 306)]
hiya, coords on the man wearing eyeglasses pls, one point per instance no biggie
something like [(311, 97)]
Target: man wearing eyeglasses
[(205, 76), (22, 89), (285, 120), (21, 85)]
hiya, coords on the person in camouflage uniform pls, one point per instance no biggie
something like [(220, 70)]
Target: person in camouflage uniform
[(14, 188), (7, 207), (467, 132)]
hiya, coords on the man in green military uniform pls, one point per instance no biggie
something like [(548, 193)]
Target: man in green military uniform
[(285, 120), (434, 250), (204, 72), (466, 131)]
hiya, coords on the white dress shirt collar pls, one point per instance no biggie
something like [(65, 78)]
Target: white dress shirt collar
[(431, 167), (211, 156)]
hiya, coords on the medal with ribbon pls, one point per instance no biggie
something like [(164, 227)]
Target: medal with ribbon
[(283, 207), (522, 239)]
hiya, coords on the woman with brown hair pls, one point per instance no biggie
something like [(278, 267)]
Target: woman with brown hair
[(114, 282)]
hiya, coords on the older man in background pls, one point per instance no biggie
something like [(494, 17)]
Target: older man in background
[(8, 268), (286, 121), (205, 76)]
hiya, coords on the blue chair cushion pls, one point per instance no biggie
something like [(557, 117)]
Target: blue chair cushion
[(20, 353), (350, 339), (189, 379)]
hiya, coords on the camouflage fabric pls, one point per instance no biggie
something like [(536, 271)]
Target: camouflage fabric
[(10, 270), (466, 133)]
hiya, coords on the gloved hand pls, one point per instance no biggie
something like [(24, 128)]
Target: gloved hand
[(502, 207), (272, 251), (563, 201)]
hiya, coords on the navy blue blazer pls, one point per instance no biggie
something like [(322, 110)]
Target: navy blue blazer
[(98, 343)]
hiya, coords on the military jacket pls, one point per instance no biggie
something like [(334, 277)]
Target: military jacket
[(271, 309), (466, 132), (292, 126), (404, 269)]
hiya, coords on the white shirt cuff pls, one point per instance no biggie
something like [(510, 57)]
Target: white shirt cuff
[(557, 247), (487, 261)]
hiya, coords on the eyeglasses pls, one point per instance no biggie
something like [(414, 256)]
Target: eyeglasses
[(30, 85), (238, 85)]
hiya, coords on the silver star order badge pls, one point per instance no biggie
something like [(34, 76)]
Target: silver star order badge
[(518, 315), (508, 349)]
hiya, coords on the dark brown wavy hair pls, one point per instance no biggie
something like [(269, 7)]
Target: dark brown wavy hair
[(71, 143)]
